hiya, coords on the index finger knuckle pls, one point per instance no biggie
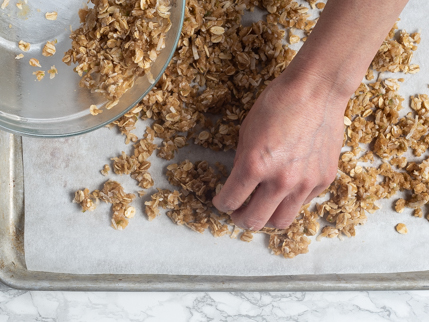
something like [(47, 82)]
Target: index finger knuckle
[(252, 167), (330, 176)]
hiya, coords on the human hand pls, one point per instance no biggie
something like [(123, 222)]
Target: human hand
[(291, 139), (288, 149)]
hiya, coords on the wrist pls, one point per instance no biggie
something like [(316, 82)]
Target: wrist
[(303, 95), (314, 88), (324, 76), (343, 43)]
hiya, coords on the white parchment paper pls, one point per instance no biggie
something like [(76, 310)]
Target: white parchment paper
[(60, 238)]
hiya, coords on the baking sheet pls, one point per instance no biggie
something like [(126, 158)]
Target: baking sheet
[(60, 238)]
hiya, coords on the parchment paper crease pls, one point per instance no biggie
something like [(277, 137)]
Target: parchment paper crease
[(60, 238)]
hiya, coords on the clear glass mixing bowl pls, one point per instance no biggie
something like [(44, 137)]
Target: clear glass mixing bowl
[(59, 107)]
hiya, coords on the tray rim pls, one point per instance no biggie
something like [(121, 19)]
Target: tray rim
[(14, 273)]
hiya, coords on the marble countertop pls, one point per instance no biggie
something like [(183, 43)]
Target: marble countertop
[(19, 306)]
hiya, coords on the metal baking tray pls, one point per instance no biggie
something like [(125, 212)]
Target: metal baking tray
[(13, 271)]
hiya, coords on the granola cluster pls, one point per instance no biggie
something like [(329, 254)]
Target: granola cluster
[(86, 200), (137, 165), (114, 194), (395, 55), (219, 69), (117, 42), (192, 206), (374, 111)]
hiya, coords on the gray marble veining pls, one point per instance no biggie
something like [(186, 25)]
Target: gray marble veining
[(23, 306)]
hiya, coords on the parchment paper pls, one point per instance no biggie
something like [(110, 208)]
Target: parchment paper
[(60, 238)]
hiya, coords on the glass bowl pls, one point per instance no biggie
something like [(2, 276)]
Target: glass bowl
[(58, 107)]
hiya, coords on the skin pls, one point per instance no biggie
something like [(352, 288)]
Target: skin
[(291, 139)]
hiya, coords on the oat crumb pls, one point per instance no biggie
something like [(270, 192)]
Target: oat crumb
[(105, 170), (401, 228), (34, 62), (130, 212), (49, 49), (5, 4), (293, 39), (39, 75), (24, 46), (51, 15), (347, 121), (52, 72), (400, 205), (94, 110), (418, 213)]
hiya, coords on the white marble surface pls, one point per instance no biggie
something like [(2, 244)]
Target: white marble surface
[(23, 306)]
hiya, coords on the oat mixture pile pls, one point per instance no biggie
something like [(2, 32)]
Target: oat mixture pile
[(118, 42), (219, 69)]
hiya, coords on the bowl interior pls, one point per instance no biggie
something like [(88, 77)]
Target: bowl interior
[(59, 107)]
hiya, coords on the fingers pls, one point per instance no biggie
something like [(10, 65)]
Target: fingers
[(316, 191), (290, 206), (279, 197), (324, 182), (288, 209), (238, 187), (263, 203), (239, 149)]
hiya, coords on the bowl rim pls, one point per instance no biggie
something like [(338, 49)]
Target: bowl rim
[(20, 132)]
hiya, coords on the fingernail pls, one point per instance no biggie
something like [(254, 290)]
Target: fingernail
[(245, 227), (240, 225), (269, 225), (228, 212)]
